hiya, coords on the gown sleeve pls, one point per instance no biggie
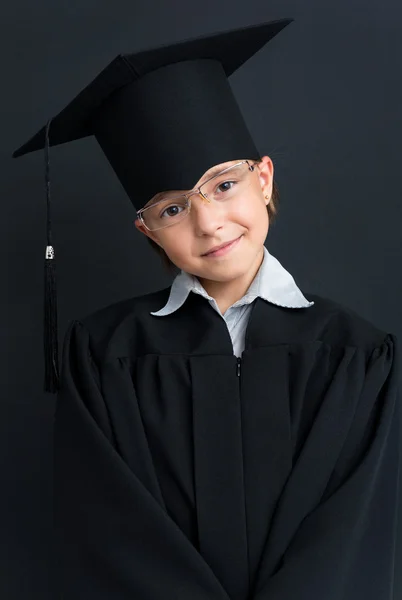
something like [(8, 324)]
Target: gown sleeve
[(344, 549), (113, 539)]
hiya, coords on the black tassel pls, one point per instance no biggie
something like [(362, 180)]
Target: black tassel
[(50, 337)]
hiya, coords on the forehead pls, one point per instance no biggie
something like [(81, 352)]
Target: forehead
[(209, 173), (216, 168)]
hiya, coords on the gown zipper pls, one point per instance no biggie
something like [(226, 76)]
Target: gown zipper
[(238, 373)]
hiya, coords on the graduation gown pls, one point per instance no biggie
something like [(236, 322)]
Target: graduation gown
[(182, 472)]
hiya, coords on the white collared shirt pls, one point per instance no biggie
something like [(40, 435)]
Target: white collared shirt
[(272, 282)]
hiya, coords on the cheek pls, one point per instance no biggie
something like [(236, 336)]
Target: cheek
[(253, 215), (176, 247)]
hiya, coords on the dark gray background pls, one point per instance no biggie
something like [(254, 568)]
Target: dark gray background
[(323, 99)]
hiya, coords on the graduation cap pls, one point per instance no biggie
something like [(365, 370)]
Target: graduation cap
[(162, 116)]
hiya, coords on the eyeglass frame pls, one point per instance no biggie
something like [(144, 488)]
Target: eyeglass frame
[(191, 193)]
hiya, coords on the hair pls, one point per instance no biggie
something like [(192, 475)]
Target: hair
[(272, 209)]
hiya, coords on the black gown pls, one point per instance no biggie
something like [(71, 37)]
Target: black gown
[(184, 473)]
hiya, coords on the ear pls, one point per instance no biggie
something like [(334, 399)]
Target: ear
[(266, 176)]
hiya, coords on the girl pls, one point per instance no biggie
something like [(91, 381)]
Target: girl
[(226, 437)]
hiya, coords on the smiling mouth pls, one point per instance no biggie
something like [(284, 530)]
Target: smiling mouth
[(223, 249)]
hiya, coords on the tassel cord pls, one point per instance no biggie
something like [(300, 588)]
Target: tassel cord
[(50, 340)]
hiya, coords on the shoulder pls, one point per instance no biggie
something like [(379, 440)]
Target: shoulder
[(113, 314), (337, 324), (115, 329)]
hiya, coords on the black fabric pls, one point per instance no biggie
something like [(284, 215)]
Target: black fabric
[(175, 478), (165, 115)]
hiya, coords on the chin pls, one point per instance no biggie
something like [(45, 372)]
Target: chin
[(226, 271)]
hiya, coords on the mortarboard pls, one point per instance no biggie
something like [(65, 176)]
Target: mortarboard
[(162, 116)]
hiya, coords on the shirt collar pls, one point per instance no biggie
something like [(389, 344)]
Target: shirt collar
[(272, 283)]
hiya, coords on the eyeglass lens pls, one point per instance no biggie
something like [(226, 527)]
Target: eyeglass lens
[(229, 186)]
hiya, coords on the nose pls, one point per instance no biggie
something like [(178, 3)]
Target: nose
[(206, 215)]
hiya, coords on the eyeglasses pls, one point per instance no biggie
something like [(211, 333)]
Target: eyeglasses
[(172, 210)]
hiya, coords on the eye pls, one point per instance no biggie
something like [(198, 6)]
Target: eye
[(225, 183), (170, 207)]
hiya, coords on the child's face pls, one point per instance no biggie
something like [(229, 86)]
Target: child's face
[(211, 224)]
